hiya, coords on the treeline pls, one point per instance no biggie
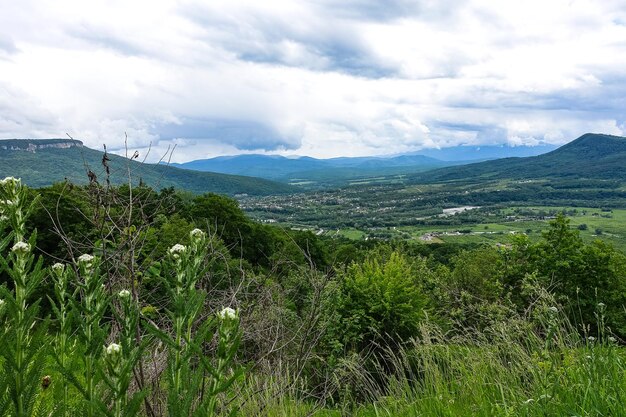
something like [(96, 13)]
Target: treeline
[(147, 223)]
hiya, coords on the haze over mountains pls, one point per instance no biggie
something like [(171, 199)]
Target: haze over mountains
[(282, 168)]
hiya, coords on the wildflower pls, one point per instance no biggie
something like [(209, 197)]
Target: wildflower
[(591, 339), (113, 349), (21, 248), (86, 258), (176, 250), (196, 234), (1, 302), (58, 267), (601, 306), (227, 313), (124, 294), (588, 357), (553, 310), (11, 180), (612, 339)]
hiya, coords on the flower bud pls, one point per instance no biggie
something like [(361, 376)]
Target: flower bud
[(21, 248), (124, 294), (176, 250), (113, 349), (10, 180), (86, 260), (197, 234), (227, 313)]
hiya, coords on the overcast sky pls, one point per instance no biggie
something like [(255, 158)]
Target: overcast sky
[(320, 78)]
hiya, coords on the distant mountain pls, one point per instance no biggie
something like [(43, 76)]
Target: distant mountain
[(305, 168), (41, 162), (482, 153), (595, 156)]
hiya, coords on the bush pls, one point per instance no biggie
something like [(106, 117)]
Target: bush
[(381, 302)]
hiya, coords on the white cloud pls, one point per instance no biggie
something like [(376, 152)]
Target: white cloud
[(308, 77)]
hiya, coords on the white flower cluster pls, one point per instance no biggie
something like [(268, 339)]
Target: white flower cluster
[(21, 248), (113, 349), (227, 313), (10, 180), (58, 267), (197, 234), (1, 302), (176, 250), (86, 260), (124, 294)]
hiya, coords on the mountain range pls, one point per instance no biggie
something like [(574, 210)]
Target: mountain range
[(334, 170), (41, 162), (591, 156)]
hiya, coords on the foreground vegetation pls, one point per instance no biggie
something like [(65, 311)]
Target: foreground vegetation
[(125, 301)]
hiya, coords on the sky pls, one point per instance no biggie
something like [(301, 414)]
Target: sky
[(319, 78)]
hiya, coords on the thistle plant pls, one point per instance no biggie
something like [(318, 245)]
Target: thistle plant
[(121, 358), (222, 372), (91, 308), (193, 380), (23, 337), (62, 351)]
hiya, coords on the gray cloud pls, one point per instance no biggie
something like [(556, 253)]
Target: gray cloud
[(316, 77), (7, 45), (242, 134), (105, 38), (317, 44)]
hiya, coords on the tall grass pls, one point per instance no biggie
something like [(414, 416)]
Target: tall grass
[(518, 368)]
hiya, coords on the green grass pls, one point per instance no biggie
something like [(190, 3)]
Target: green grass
[(350, 233), (612, 224), (510, 370)]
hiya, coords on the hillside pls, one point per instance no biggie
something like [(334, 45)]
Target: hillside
[(43, 162), (591, 156), (280, 168)]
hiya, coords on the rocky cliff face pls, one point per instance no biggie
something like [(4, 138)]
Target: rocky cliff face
[(33, 145)]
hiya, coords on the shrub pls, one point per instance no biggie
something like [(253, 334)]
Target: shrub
[(381, 302)]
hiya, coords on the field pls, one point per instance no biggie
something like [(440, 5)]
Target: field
[(492, 212)]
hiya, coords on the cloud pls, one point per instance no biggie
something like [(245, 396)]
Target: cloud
[(317, 77)]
